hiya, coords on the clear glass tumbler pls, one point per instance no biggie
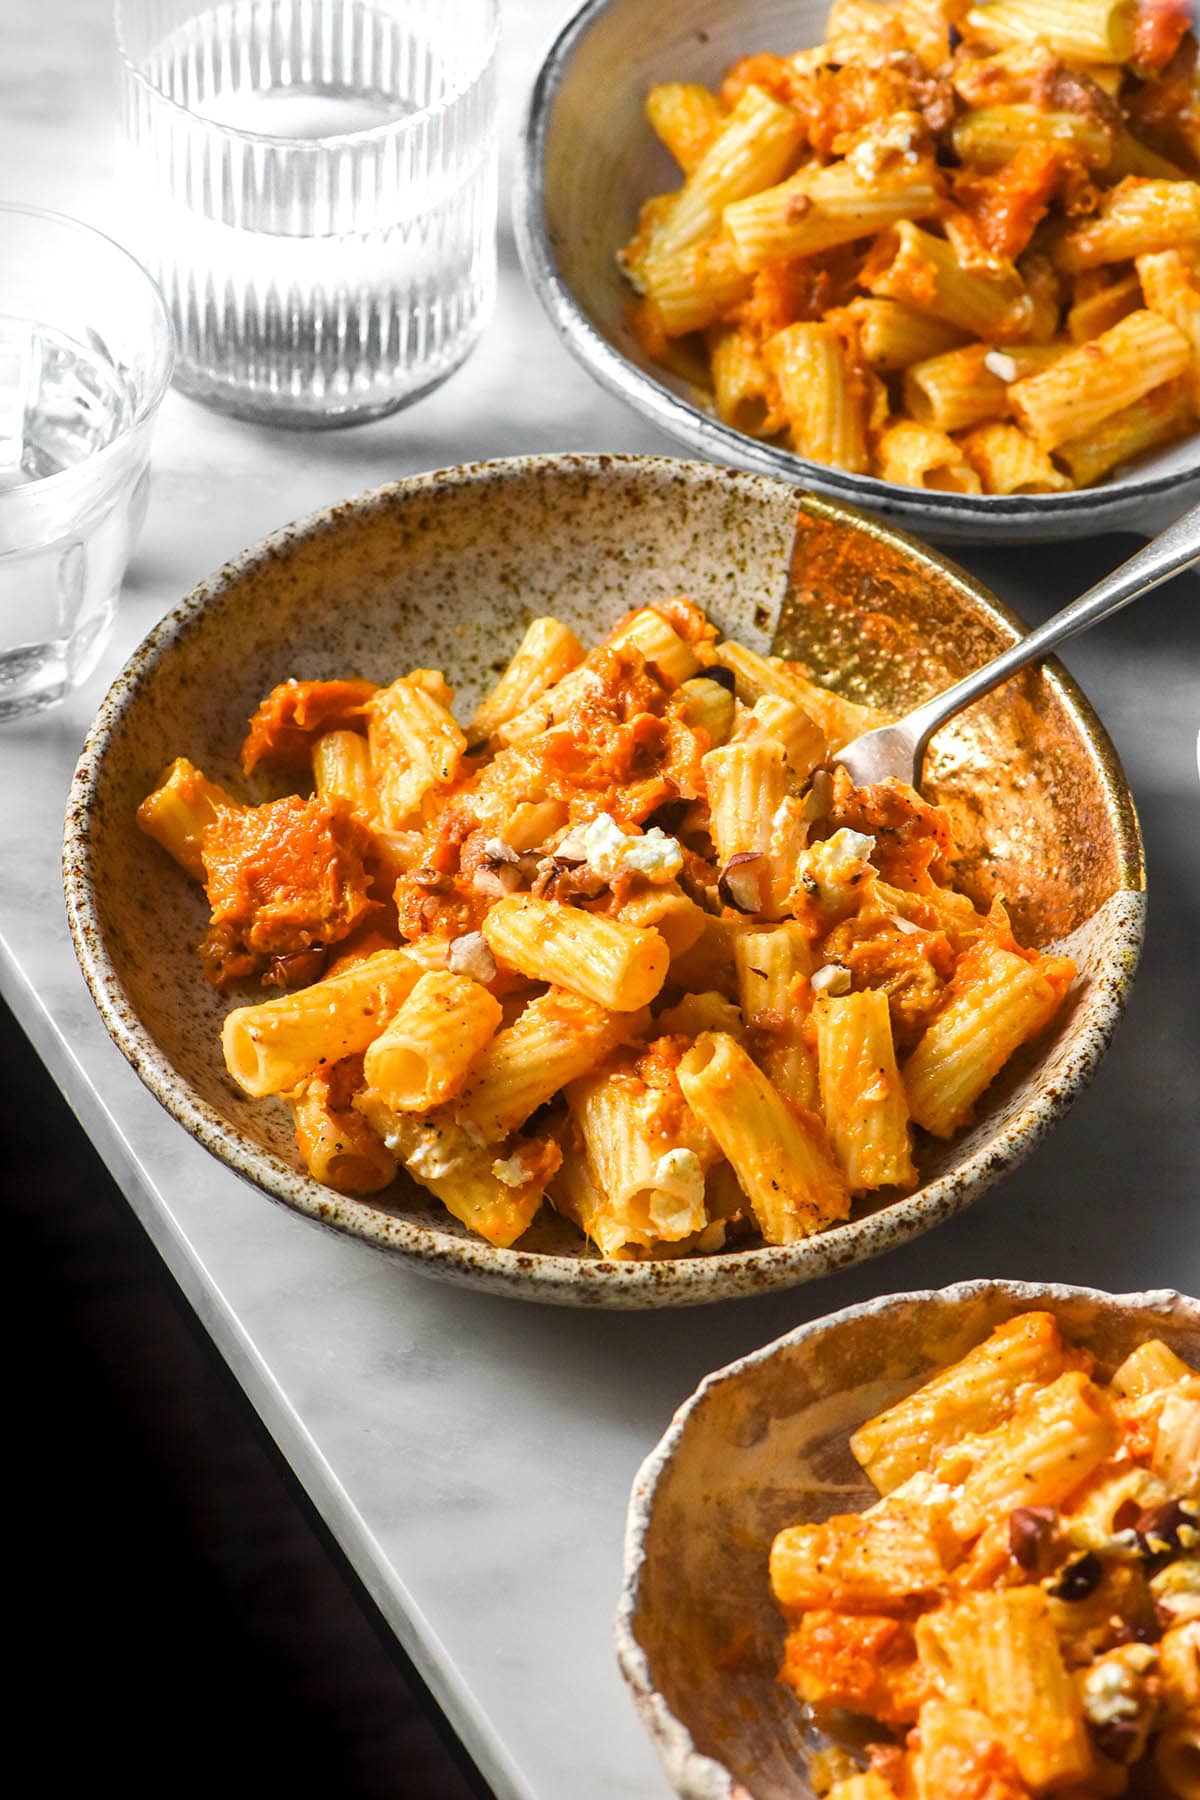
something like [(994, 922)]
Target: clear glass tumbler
[(85, 359), (313, 183)]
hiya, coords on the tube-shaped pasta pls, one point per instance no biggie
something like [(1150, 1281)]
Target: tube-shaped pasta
[(785, 722), (1050, 1445), (494, 1189), (1151, 1366), (989, 136), (911, 265), (646, 1153), (953, 1744), (707, 706), (1158, 418), (955, 390), (686, 117), (277, 1044), (821, 395), (547, 652), (746, 781), (341, 765), (1007, 461), (1103, 307), (338, 1146), (780, 1155), (747, 784), (556, 1039), (423, 1055), (664, 908), (862, 1096), (573, 1193), (745, 390), (919, 456), (1176, 1457), (415, 745), (999, 1652), (694, 287), (755, 145), (1094, 31), (892, 336), (619, 966), (996, 1001), (819, 208), (968, 385), (874, 1560), (972, 1396), (656, 638), (839, 718), (773, 966), (1135, 219), (1088, 384), (1172, 288), (647, 631), (180, 810)]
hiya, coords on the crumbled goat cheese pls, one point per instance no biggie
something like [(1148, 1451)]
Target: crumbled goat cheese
[(608, 850), (899, 138), (511, 1171), (1002, 366), (496, 850), (470, 955), (836, 860), (1176, 1590), (1110, 1687), (832, 978), (680, 1171), (434, 1158), (678, 1183)]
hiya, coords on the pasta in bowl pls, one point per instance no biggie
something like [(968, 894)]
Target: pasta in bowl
[(532, 982), (935, 258), (939, 1544)]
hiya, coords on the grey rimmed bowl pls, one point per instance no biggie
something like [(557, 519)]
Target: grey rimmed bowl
[(589, 161), (763, 1444), (444, 571)]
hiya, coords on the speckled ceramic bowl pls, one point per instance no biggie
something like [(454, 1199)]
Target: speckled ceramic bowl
[(590, 160), (763, 1444), (444, 571)]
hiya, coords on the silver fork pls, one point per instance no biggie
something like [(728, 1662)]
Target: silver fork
[(898, 750)]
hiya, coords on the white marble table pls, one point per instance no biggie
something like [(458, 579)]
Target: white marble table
[(472, 1455)]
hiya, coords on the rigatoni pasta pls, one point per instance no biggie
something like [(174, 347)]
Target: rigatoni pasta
[(1018, 1615), (630, 944), (864, 227)]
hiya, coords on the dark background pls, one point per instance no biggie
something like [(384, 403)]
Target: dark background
[(179, 1619)]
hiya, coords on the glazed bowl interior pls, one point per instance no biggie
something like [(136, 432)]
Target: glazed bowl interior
[(763, 1444), (591, 159), (445, 571)]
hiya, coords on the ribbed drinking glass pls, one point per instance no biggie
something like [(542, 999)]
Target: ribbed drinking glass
[(313, 183)]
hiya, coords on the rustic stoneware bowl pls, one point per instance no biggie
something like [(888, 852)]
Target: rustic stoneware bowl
[(444, 571), (763, 1444), (589, 161)]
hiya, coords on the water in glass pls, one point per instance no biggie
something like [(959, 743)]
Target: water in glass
[(65, 534), (313, 182)]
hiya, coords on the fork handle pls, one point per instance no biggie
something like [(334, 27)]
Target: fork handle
[(1174, 549)]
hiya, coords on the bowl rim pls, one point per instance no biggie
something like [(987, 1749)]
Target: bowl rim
[(542, 1275), (1105, 507), (694, 1774)]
